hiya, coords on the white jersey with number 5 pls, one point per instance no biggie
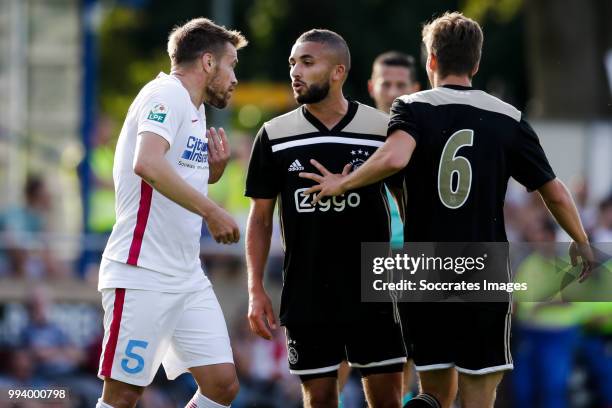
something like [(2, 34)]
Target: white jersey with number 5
[(152, 232)]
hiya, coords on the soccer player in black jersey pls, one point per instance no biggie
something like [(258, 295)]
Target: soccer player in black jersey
[(456, 147), (321, 307)]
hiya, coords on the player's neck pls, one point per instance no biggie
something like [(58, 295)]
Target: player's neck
[(192, 83), (461, 80), (330, 110), (383, 108)]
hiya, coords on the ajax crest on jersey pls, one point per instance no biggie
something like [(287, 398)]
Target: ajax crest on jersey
[(293, 355)]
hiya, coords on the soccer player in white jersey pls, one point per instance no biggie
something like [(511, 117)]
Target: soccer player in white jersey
[(159, 307)]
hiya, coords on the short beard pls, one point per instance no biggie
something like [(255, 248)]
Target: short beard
[(216, 98), (314, 93), (214, 95)]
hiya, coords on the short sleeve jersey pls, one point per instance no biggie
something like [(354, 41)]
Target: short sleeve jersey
[(468, 144), (322, 242), (152, 232)]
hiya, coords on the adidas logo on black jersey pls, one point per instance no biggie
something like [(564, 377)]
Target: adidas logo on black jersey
[(296, 166)]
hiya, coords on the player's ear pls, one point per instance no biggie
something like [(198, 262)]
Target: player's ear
[(475, 70), (339, 72), (208, 62), (371, 88), (432, 62)]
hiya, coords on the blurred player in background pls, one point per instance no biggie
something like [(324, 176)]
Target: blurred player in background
[(393, 75), (455, 129), (159, 307), (321, 308)]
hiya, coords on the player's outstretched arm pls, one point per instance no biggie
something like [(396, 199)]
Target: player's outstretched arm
[(390, 158), (219, 153), (151, 165), (561, 205), (258, 236)]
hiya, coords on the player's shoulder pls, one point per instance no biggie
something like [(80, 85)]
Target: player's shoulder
[(494, 104), (368, 121), (290, 124), (426, 96), (166, 86), (440, 96)]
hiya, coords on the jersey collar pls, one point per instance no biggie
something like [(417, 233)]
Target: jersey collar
[(457, 87), (348, 117)]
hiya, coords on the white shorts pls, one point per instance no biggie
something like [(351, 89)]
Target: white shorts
[(143, 329)]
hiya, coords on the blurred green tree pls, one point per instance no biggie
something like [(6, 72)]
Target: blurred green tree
[(133, 41)]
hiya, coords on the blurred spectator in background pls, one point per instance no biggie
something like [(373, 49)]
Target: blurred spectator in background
[(579, 187), (262, 367), (101, 217), (596, 349), (603, 230), (229, 193), (57, 360), (393, 75), (102, 199), (580, 190), (26, 248), (21, 372), (547, 331), (54, 354), (229, 190)]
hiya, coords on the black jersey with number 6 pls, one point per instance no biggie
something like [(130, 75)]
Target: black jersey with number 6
[(323, 241), (468, 144)]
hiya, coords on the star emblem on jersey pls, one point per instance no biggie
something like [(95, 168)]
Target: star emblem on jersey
[(359, 157), (360, 152), (296, 166)]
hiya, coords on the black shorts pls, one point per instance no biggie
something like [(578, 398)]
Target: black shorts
[(318, 349), (474, 338)]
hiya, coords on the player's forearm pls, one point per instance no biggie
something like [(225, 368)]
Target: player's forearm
[(390, 158), (258, 236), (559, 202), (161, 176), (377, 168)]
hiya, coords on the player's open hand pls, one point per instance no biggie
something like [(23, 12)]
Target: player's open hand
[(219, 152), (261, 315), (585, 253), (330, 184), (222, 226)]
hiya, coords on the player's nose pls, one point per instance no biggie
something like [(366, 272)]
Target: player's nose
[(294, 73)]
